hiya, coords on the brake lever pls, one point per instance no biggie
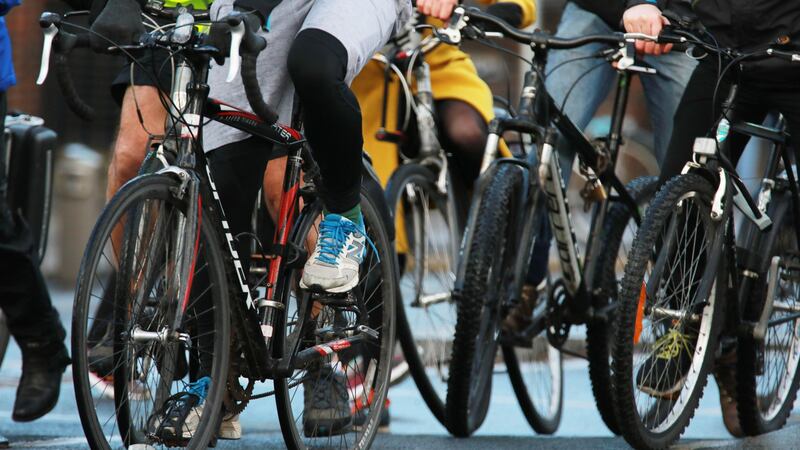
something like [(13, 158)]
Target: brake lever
[(451, 34), (237, 34), (48, 22), (626, 60)]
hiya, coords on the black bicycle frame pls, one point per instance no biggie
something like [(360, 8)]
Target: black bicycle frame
[(536, 106)]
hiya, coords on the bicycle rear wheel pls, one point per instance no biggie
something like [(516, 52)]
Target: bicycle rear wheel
[(669, 316), (767, 369), (348, 378), (427, 242), (487, 269), (536, 370), (128, 357), (620, 229)]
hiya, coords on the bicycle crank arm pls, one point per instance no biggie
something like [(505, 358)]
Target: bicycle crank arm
[(319, 351), (760, 330)]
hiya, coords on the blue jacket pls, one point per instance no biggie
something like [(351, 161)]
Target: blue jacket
[(7, 77)]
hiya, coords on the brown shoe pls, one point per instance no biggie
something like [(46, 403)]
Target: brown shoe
[(520, 317), (725, 375)]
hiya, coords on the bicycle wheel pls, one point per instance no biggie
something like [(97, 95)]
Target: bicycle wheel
[(668, 318), (767, 369), (348, 378), (427, 244), (618, 233), (487, 268), (126, 293), (537, 375)]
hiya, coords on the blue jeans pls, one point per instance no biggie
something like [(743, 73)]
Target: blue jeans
[(662, 91)]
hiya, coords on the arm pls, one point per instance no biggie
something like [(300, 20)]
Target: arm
[(644, 16), (262, 8), (519, 13)]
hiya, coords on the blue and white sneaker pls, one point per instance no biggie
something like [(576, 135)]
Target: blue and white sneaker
[(333, 267)]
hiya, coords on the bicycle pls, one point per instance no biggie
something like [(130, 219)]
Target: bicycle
[(513, 198), (179, 336), (698, 285), (429, 209)]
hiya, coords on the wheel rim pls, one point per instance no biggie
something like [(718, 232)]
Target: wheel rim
[(677, 292), (541, 371)]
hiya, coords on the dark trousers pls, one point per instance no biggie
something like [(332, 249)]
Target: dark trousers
[(24, 298), (758, 95)]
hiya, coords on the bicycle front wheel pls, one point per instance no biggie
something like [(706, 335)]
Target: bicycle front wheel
[(669, 316), (129, 357), (767, 367), (618, 233), (488, 262), (335, 400), (427, 242)]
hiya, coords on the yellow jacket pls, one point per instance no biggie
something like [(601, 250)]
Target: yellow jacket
[(453, 76)]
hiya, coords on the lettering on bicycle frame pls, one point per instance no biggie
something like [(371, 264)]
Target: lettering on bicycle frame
[(561, 222), (229, 238)]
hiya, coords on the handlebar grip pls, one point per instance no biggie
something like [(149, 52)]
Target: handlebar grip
[(253, 91), (67, 85)]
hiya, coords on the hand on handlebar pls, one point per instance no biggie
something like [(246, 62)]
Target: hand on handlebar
[(440, 9), (646, 19)]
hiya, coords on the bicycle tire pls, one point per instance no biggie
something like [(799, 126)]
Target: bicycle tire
[(382, 283), (543, 422), (761, 409), (478, 313), (659, 425), (150, 188), (600, 332), (431, 351)]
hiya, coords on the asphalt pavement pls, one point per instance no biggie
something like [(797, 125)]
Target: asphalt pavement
[(412, 426)]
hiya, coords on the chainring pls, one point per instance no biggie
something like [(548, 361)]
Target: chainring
[(557, 327)]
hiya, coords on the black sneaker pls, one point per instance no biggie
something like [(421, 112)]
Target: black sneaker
[(663, 373), (326, 404), (176, 421)]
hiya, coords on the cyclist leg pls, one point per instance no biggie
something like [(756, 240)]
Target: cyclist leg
[(335, 42), (463, 131)]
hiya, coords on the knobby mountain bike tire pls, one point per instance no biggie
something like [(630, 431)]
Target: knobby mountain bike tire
[(363, 368), (488, 266), (619, 229), (660, 315), (427, 223), (767, 374), (143, 211)]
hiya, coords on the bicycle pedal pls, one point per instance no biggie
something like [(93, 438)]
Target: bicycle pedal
[(328, 299)]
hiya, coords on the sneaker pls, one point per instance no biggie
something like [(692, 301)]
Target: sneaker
[(334, 265), (663, 373), (177, 420), (326, 404), (230, 428)]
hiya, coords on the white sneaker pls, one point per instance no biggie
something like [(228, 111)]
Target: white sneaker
[(230, 428), (334, 265)]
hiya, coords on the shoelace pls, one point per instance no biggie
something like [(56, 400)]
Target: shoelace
[(333, 231), (671, 344)]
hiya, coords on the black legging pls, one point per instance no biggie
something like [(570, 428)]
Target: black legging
[(463, 132), (318, 68)]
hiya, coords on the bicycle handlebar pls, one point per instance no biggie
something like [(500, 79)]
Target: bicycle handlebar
[(245, 46)]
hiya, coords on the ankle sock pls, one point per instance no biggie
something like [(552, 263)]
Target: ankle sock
[(354, 214)]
